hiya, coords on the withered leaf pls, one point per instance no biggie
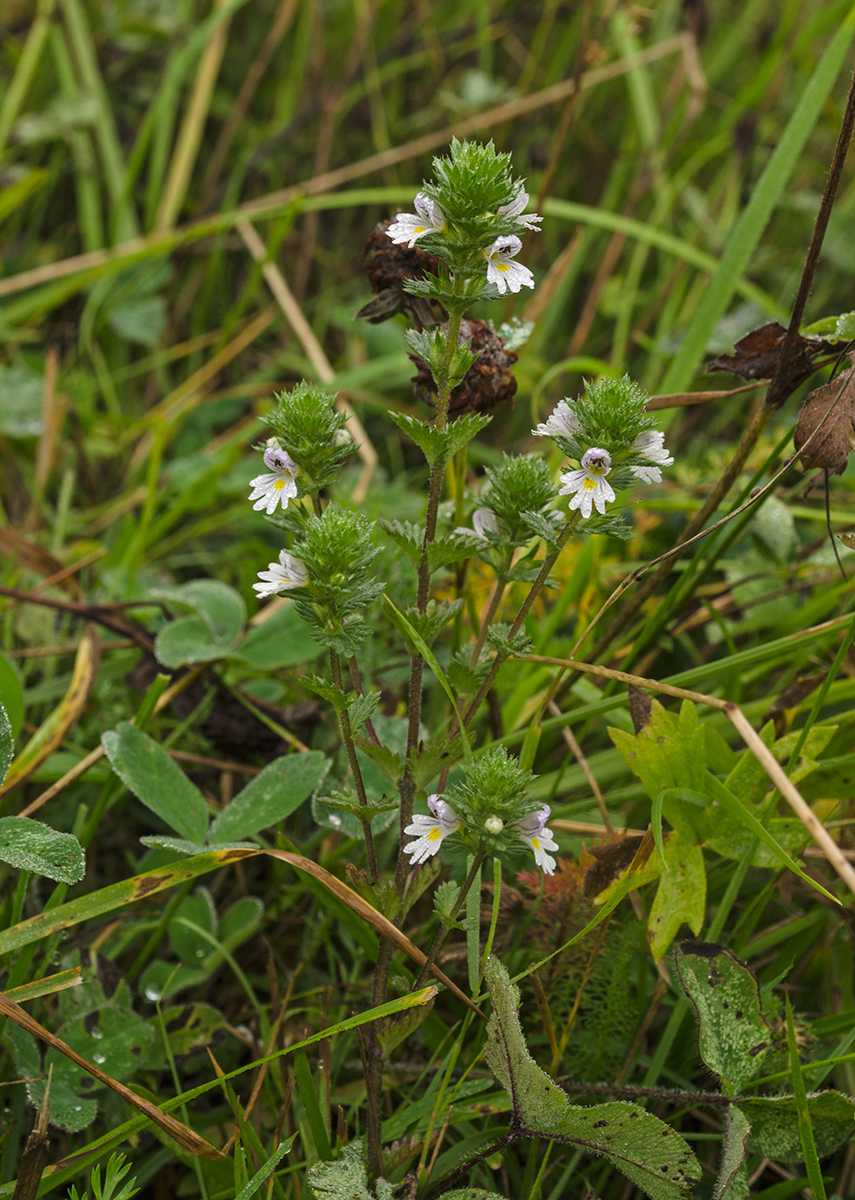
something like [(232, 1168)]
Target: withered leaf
[(640, 707), (833, 443), (788, 701), (756, 356), (611, 860)]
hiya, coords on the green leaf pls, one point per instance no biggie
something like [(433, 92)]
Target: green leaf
[(668, 752), (187, 640), (733, 1036), (266, 1169), (283, 640), (12, 699), (723, 796), (270, 797), (810, 1156), (644, 1148), (192, 1027), (775, 1124), (220, 615), (346, 1178), (474, 1193), (199, 909), (433, 620), (147, 770), (7, 743), (30, 846), (142, 319), (680, 896), (362, 709), (20, 401), (729, 1185), (541, 526), (221, 608), (240, 920), (432, 442)]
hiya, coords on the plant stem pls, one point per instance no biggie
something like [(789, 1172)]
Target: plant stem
[(437, 472), (350, 747), (442, 934), (492, 609), (534, 590)]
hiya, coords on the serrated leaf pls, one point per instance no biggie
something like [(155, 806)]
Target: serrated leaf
[(326, 690), (464, 429), (458, 546), (270, 797), (775, 1124), (433, 620), (680, 896), (388, 760), (733, 1036), (362, 709), (728, 1185), (434, 756), (147, 770), (346, 1179), (669, 752), (29, 845), (540, 526), (432, 442), (644, 1148)]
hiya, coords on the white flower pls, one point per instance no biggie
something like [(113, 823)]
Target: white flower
[(588, 486), (494, 824), (288, 573), (482, 519), (278, 487), (508, 276), (562, 422), (530, 221), (409, 227), (532, 829), (429, 831), (650, 445)]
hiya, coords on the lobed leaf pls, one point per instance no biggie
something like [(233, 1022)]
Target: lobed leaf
[(644, 1148)]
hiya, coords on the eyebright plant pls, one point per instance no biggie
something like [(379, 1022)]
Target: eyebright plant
[(479, 800)]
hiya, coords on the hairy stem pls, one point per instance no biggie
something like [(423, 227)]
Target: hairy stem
[(356, 771)]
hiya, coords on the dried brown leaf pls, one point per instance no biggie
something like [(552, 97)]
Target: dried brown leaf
[(833, 407), (756, 356)]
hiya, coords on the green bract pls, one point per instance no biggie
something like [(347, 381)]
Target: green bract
[(337, 550), (473, 181), (311, 429), (495, 786), (520, 483), (612, 414)]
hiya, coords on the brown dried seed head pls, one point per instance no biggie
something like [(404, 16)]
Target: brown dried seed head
[(487, 383)]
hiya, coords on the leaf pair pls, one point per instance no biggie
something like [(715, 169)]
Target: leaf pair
[(148, 771)]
